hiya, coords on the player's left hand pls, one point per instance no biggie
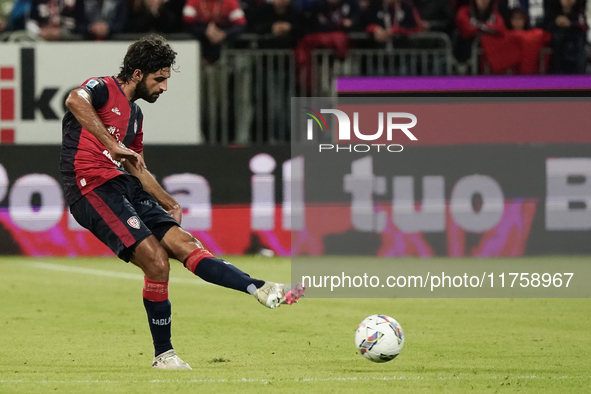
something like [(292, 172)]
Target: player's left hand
[(176, 212)]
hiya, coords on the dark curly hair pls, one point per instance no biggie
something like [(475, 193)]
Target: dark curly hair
[(149, 54)]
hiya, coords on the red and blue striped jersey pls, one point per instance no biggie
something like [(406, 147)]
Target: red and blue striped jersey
[(85, 163)]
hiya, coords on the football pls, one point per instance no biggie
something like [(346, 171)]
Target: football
[(379, 338)]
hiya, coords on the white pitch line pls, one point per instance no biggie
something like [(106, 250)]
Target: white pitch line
[(296, 380), (110, 274)]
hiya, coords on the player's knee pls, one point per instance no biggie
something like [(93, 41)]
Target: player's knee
[(179, 243), (194, 241), (189, 244), (187, 241), (158, 267)]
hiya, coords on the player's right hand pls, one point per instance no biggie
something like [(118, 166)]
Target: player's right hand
[(176, 212), (122, 154)]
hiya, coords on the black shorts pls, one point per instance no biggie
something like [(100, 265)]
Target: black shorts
[(120, 213)]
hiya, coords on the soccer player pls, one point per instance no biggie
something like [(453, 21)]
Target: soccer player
[(111, 192)]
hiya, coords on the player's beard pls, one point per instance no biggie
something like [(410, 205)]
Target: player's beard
[(142, 92)]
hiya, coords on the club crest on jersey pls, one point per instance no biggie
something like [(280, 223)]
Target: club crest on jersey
[(134, 222), (116, 110)]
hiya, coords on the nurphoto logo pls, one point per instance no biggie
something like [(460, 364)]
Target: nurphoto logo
[(391, 119)]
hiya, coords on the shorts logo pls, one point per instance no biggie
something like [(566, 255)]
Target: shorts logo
[(134, 222)]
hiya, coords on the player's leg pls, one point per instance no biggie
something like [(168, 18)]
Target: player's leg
[(184, 247), (181, 245), (149, 256), (108, 214), (152, 259)]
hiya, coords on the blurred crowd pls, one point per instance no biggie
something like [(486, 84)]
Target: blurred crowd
[(511, 33)]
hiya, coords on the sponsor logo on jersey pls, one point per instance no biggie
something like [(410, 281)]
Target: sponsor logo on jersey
[(134, 222), (106, 153), (114, 132)]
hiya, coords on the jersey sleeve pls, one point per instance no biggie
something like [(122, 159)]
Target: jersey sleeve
[(98, 90)]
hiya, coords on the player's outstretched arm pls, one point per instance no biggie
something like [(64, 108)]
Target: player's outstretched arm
[(79, 104), (152, 186)]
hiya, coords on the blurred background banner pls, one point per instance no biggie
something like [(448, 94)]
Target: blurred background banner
[(485, 177), (226, 205), (35, 79), (486, 194)]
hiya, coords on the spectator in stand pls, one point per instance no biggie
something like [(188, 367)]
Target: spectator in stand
[(518, 20), (391, 19), (163, 16), (532, 41), (282, 25), (5, 8), (534, 9), (280, 20), (250, 9), (330, 22), (306, 5), (504, 50), (213, 22), (436, 15), (100, 19), (479, 19), (566, 22), (329, 16), (16, 13), (52, 20)]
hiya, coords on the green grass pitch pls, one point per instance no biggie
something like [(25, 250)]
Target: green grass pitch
[(79, 326)]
